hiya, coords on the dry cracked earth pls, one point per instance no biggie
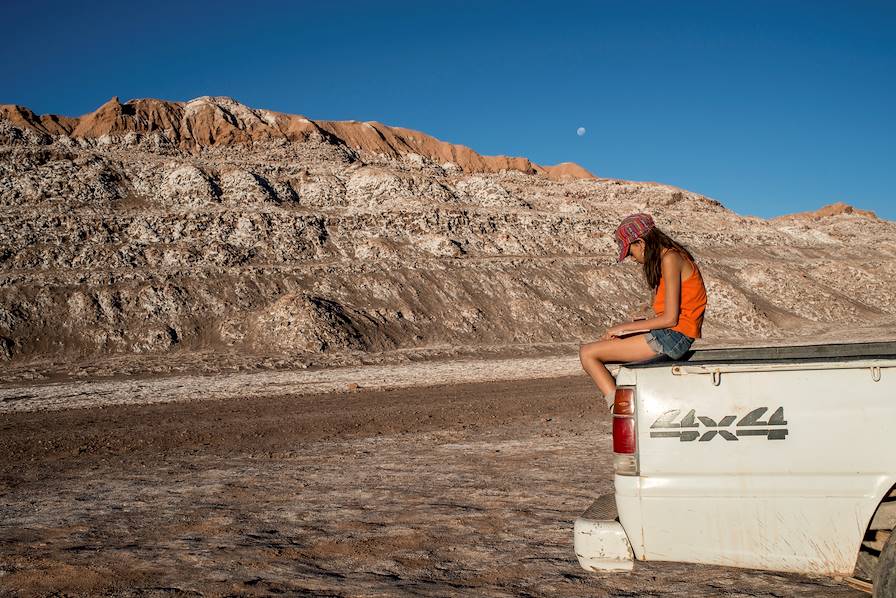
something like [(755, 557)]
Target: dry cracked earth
[(452, 490)]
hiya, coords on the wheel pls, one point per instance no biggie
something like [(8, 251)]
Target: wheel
[(885, 573)]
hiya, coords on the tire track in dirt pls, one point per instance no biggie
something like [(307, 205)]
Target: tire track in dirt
[(141, 391)]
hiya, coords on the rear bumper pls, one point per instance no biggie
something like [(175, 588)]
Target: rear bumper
[(600, 541)]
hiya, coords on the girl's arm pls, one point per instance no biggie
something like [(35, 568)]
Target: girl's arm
[(671, 265)]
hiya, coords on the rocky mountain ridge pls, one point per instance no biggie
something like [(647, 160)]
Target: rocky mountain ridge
[(212, 121), (304, 250)]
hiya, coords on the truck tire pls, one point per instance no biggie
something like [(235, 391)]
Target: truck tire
[(885, 574)]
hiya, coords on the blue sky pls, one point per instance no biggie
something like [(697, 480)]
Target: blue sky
[(769, 107)]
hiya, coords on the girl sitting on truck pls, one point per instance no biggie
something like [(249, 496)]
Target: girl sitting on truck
[(678, 303)]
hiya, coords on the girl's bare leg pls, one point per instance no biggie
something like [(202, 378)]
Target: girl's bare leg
[(615, 350)]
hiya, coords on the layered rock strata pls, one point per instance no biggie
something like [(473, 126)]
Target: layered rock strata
[(158, 227)]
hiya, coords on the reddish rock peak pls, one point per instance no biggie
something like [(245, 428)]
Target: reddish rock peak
[(567, 170), (834, 209)]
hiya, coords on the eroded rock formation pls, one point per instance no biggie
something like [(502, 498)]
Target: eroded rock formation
[(153, 227)]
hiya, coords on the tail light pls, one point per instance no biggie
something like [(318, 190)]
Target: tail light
[(625, 439)]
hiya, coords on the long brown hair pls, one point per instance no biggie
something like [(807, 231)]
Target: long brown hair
[(655, 241)]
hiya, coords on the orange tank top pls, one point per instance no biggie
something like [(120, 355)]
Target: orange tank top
[(693, 302)]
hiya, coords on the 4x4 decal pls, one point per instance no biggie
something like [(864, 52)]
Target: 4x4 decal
[(749, 425)]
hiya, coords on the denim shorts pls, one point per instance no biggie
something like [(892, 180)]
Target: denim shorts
[(669, 342)]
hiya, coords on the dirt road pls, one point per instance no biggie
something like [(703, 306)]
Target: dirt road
[(458, 490)]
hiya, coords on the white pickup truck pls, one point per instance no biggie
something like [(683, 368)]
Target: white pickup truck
[(777, 458)]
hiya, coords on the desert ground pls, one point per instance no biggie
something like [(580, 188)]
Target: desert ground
[(244, 352), (271, 486)]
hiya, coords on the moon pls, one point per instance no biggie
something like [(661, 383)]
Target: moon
[(580, 131)]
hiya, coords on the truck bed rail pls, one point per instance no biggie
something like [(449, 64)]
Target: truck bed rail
[(779, 354)]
